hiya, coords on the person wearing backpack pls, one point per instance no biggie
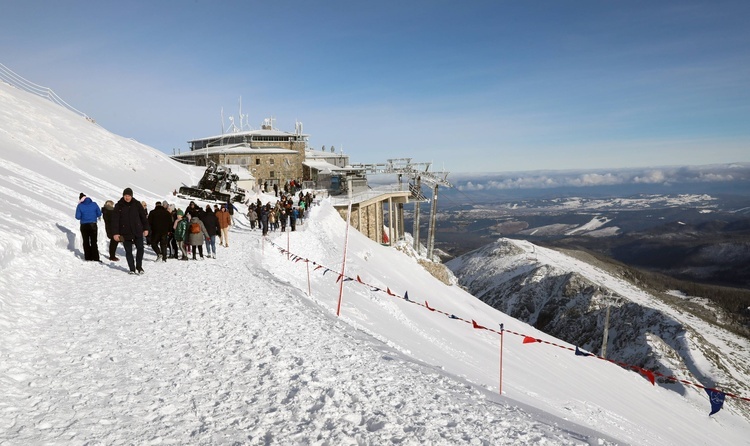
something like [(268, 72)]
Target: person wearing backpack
[(197, 234), (181, 233)]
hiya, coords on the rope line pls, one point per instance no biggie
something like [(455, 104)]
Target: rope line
[(650, 374)]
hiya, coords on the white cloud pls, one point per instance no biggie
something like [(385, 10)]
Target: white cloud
[(551, 179)]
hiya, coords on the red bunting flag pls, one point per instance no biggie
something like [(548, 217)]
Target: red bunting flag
[(529, 340), (428, 306), (650, 375), (477, 326), (358, 279), (388, 290)]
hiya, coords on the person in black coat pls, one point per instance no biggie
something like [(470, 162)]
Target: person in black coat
[(160, 222), (131, 226), (194, 210), (212, 227), (107, 211), (263, 216)]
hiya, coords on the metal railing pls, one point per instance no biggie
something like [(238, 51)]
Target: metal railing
[(15, 80), (360, 196)]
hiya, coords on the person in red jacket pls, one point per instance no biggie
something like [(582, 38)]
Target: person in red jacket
[(225, 221)]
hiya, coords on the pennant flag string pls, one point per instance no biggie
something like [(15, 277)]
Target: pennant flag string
[(716, 396)]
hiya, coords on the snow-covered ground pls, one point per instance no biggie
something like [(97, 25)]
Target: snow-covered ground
[(247, 348), (595, 223)]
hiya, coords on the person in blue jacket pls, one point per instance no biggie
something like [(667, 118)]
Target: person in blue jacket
[(88, 212)]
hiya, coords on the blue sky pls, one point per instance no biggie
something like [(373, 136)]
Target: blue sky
[(482, 86)]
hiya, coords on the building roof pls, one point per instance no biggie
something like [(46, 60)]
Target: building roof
[(322, 166), (235, 149), (260, 132)]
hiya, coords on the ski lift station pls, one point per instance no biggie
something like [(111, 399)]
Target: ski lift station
[(274, 157)]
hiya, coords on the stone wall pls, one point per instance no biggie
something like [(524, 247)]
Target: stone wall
[(366, 219), (273, 168)]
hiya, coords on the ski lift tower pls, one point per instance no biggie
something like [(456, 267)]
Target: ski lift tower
[(419, 173)]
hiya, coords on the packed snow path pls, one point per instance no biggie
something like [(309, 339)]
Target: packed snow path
[(217, 352)]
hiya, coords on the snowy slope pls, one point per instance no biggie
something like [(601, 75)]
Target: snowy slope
[(50, 155), (513, 275), (235, 351)]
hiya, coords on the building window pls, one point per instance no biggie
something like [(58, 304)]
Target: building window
[(257, 161), (272, 174), (271, 161)]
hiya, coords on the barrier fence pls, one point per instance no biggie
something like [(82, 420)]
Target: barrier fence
[(716, 396), (11, 78)]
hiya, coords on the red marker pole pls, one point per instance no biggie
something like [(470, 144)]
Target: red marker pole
[(501, 359), (307, 264), (343, 263)]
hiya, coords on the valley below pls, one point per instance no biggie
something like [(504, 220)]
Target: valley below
[(695, 244)]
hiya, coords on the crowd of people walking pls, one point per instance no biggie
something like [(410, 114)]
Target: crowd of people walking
[(284, 213), (173, 233), (170, 232)]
